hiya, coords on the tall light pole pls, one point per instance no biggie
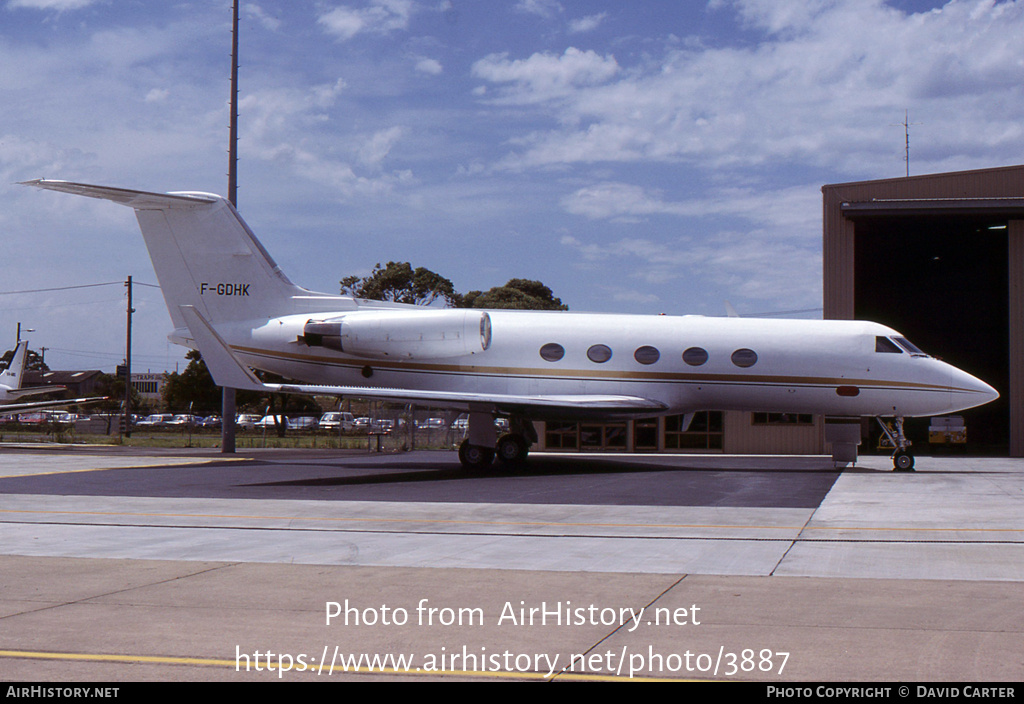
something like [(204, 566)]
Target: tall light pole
[(227, 428)]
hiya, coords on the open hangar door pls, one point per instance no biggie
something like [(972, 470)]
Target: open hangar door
[(942, 280)]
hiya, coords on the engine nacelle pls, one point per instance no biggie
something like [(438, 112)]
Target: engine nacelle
[(426, 334)]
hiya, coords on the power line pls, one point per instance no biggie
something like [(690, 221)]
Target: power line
[(71, 288)]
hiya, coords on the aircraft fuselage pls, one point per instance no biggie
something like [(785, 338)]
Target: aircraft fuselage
[(687, 363)]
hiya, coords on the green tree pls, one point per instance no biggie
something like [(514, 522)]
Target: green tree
[(521, 294), (400, 283), (193, 386)]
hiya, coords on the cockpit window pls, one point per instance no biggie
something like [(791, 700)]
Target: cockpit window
[(884, 344), (909, 346)]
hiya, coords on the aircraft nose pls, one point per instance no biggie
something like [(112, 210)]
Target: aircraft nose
[(969, 391)]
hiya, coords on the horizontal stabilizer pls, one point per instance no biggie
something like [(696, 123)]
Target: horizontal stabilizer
[(140, 200), (32, 391)]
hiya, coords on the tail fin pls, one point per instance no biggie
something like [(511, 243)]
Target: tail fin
[(204, 255), (10, 378)]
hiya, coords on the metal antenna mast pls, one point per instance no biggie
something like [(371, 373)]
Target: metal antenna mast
[(906, 137)]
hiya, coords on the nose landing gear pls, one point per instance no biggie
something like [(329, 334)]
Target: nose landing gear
[(902, 457)]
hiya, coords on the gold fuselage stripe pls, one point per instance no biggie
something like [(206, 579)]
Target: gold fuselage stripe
[(592, 375)]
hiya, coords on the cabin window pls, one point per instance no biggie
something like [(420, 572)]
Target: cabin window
[(599, 353), (744, 358), (695, 356), (884, 344), (552, 352), (647, 354)]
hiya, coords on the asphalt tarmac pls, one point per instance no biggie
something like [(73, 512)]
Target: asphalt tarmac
[(120, 565)]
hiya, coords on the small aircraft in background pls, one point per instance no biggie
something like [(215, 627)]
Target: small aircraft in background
[(228, 298), (11, 389)]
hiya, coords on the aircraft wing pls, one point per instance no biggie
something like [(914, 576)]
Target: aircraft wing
[(228, 371), (36, 405)]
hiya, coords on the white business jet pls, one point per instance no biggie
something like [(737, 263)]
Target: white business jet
[(227, 297)]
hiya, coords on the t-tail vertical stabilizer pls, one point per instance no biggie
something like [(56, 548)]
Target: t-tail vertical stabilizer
[(10, 378), (205, 256)]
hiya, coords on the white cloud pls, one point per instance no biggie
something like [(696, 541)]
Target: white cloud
[(157, 95), (380, 17), (430, 67), (542, 8), (822, 88), (544, 77), (59, 5), (375, 149), (587, 24), (257, 13)]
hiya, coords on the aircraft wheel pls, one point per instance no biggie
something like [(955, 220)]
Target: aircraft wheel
[(475, 456), (512, 449), (903, 461)]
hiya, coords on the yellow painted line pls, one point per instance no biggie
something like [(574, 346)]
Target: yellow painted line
[(105, 657), (315, 669), (532, 524)]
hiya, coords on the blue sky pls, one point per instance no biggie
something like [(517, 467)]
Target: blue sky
[(642, 157)]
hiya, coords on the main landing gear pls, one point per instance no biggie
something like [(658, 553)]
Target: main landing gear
[(479, 449), (902, 457)]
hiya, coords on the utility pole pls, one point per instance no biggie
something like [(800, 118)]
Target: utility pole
[(227, 428), (128, 366)]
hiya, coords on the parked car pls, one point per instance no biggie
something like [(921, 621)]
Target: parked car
[(337, 420), (247, 421), (157, 420), (211, 422), (269, 422), (302, 423)]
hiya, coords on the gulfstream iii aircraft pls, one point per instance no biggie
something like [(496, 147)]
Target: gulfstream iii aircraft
[(228, 298)]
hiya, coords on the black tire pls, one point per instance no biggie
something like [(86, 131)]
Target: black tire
[(903, 461), (475, 456), (512, 449)]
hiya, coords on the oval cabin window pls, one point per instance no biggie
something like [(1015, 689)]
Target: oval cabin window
[(647, 354), (744, 358), (695, 356), (552, 352), (599, 353)]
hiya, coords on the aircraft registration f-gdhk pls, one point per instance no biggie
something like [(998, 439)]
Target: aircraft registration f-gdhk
[(227, 297)]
